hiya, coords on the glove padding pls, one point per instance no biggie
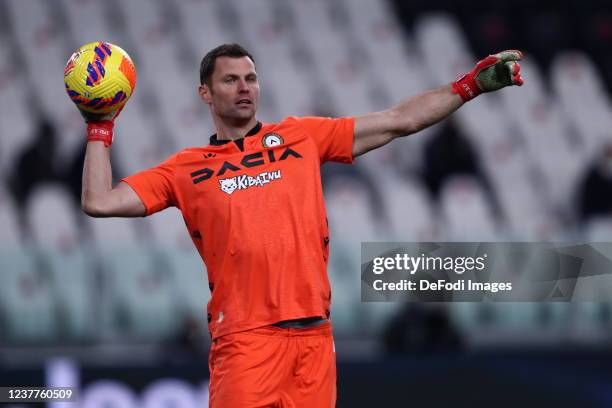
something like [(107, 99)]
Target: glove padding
[(490, 74), (100, 126)]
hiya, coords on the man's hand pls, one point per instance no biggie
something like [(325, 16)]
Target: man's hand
[(490, 74), (100, 126), (99, 117)]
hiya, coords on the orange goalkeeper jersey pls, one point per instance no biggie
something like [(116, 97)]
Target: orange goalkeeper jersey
[(254, 209)]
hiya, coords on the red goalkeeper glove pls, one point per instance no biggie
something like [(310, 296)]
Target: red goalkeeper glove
[(490, 74), (100, 126)]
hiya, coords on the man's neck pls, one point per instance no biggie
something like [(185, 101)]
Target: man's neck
[(233, 131)]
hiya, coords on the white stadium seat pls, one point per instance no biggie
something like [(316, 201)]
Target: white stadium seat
[(188, 272), (16, 124), (139, 297), (51, 215), (42, 40), (27, 303), (584, 102), (466, 214)]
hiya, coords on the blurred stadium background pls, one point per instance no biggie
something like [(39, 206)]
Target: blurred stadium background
[(116, 307)]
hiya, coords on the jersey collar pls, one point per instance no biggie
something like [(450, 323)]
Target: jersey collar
[(216, 142)]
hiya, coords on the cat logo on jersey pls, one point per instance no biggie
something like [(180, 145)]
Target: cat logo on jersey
[(272, 139)]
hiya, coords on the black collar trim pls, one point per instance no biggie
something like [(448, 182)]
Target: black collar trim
[(216, 142)]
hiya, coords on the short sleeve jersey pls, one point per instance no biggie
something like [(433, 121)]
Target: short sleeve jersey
[(256, 214)]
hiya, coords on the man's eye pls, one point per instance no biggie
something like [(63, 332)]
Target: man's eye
[(228, 80)]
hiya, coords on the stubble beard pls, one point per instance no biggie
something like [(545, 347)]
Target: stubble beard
[(238, 117)]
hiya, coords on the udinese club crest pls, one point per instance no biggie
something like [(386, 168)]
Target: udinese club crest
[(272, 139)]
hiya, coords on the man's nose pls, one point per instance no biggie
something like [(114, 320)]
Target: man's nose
[(243, 86)]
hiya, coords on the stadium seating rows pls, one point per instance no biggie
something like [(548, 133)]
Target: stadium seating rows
[(80, 279)]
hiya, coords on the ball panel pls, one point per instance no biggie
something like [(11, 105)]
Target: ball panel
[(99, 77), (129, 71)]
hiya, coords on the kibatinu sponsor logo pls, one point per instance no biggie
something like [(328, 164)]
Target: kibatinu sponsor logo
[(229, 185)]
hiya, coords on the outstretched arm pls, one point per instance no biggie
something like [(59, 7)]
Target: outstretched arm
[(409, 116), (414, 114)]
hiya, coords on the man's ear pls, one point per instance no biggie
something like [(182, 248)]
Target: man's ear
[(205, 94)]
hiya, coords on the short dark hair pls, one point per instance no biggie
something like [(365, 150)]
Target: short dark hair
[(207, 66)]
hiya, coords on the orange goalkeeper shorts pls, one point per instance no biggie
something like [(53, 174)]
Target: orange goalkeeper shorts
[(274, 367)]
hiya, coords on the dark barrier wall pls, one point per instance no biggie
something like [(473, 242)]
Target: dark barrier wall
[(445, 380)]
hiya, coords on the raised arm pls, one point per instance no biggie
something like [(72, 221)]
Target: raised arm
[(98, 197), (414, 114)]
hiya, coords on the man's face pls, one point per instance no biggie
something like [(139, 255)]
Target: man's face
[(234, 90)]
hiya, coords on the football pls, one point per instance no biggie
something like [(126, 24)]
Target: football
[(100, 77)]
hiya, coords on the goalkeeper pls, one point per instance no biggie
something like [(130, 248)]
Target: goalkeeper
[(253, 204)]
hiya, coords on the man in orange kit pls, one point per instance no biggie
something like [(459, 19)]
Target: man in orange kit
[(253, 204)]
